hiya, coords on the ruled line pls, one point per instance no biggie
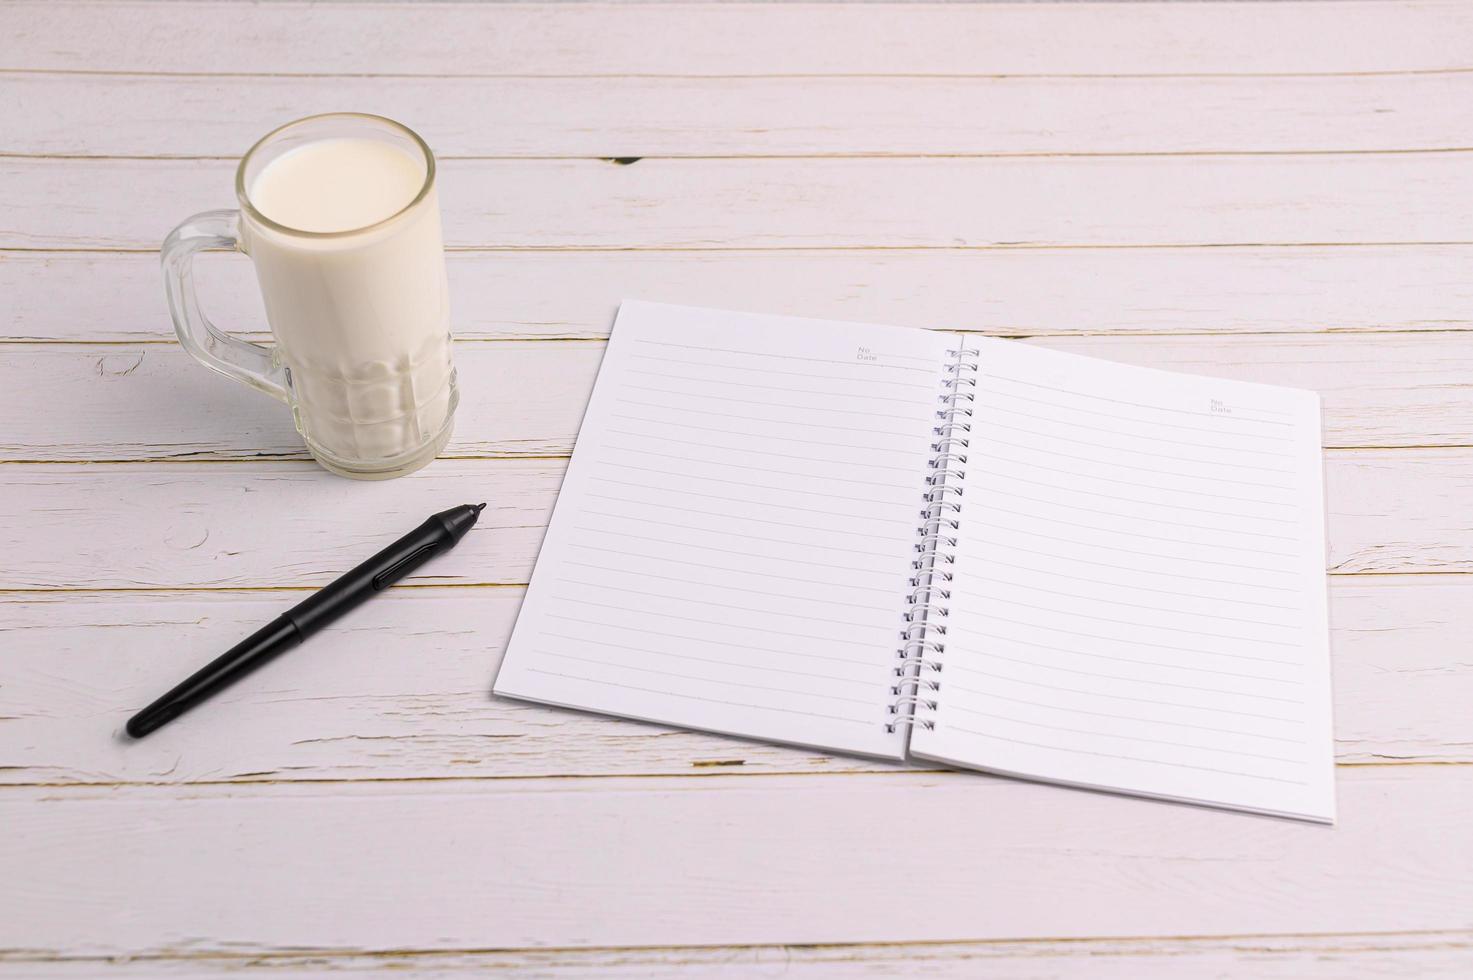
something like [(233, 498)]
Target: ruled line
[(1247, 413), (806, 390), (992, 474), (1134, 587), (872, 590), (731, 534), (670, 597), (1191, 668), (726, 551), (705, 444), (764, 435), (793, 374), (1131, 605), (1143, 643), (739, 571), (846, 412), (847, 532), (1129, 551), (868, 606), (1260, 410), (785, 651), (983, 434), (1150, 520), (1131, 718), (708, 660), (1135, 625), (724, 626), (1215, 546), (994, 655), (693, 697), (1193, 443), (797, 357), (805, 423), (1156, 741), (1094, 413), (704, 680), (828, 494), (1127, 758), (754, 469), (759, 503), (968, 669), (1122, 401), (1173, 457), (1073, 474)]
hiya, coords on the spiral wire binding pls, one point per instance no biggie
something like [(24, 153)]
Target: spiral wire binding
[(922, 639)]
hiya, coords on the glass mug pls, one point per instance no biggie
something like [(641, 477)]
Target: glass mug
[(360, 314)]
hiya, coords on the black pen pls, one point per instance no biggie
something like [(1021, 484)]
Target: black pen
[(438, 534)]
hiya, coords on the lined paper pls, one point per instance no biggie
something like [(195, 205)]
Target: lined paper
[(1139, 598), (731, 548)]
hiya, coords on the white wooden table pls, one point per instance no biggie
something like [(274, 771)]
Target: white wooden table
[(1277, 192)]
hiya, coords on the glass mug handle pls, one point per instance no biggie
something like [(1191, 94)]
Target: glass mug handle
[(246, 362)]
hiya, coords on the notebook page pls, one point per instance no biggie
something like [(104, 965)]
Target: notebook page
[(732, 543), (1139, 595)]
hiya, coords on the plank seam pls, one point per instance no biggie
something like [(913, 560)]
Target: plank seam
[(701, 249), (704, 773), (855, 155), (60, 251), (301, 456), (1466, 938), (162, 340), (795, 76), (185, 590)]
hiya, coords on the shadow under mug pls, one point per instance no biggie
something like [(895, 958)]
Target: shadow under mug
[(360, 317)]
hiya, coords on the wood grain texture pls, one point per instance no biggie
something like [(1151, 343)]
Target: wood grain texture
[(292, 525), (1420, 956), (817, 202), (269, 525), (1016, 292), (461, 39), (180, 116), (120, 402), (1397, 510), (711, 861), (1236, 172), (400, 690)]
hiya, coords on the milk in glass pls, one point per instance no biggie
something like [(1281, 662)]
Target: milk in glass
[(359, 309)]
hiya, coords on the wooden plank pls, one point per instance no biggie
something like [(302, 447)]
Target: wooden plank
[(124, 402), (179, 116), (517, 399), (401, 690), (732, 39), (274, 525), (717, 861), (1397, 510), (292, 525), (817, 202), (1424, 956), (1025, 292)]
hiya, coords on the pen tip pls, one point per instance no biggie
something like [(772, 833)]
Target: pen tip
[(479, 507)]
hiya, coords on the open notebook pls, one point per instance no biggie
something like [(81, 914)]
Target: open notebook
[(936, 545)]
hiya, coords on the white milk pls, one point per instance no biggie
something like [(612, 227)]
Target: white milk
[(339, 184), (361, 318)]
